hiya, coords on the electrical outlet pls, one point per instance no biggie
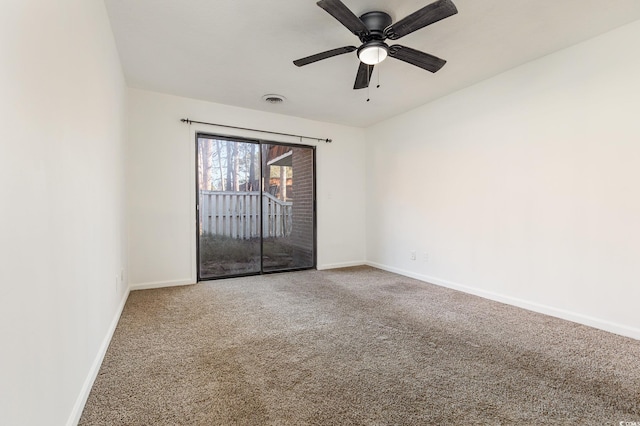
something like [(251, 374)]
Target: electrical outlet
[(425, 257), (412, 255)]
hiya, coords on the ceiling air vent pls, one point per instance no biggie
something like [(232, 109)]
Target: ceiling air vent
[(273, 99)]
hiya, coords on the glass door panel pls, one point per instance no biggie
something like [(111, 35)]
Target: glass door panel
[(229, 228), (288, 211)]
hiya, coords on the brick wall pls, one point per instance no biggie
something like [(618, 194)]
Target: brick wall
[(302, 235)]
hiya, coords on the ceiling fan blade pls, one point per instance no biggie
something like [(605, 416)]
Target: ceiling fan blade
[(342, 13), (416, 57), (429, 14), (323, 55), (363, 77)]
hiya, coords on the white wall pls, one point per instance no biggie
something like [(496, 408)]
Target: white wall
[(161, 183), (523, 188), (62, 130)]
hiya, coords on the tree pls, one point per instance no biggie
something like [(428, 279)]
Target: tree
[(205, 165)]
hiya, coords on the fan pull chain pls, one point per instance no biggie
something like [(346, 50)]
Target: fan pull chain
[(368, 81), (378, 74)]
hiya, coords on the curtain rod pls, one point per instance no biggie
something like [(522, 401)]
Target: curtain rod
[(186, 120)]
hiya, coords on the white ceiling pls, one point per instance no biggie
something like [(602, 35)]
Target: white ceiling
[(234, 52)]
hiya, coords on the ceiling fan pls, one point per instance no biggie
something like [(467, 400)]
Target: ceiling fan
[(373, 28)]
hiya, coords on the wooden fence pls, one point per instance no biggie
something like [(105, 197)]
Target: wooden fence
[(237, 214)]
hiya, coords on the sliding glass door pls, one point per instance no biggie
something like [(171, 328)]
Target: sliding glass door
[(228, 207), (255, 205)]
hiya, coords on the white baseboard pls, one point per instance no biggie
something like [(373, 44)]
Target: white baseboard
[(161, 284), (78, 407), (340, 265), (599, 323)]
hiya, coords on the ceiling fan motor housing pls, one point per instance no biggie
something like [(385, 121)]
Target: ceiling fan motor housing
[(376, 22)]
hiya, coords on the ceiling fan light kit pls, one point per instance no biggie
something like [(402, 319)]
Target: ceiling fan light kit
[(373, 28), (373, 52)]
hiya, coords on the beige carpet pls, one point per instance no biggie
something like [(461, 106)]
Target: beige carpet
[(355, 346)]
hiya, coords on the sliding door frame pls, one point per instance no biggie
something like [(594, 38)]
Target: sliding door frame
[(260, 143)]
